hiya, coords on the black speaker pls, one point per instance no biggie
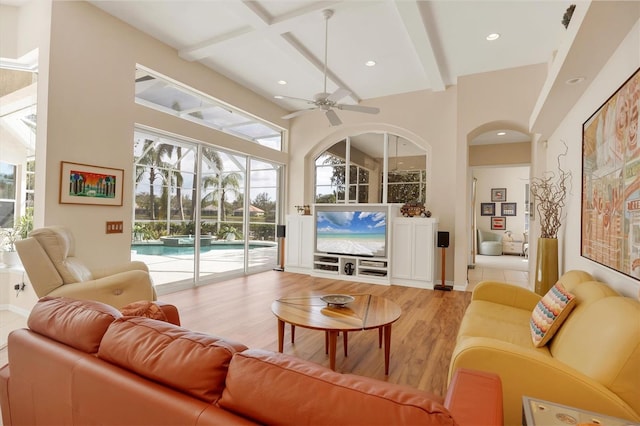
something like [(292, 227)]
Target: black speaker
[(443, 239), (280, 231)]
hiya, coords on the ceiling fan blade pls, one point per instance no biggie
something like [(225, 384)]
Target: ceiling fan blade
[(298, 113), (359, 108), (338, 94), (333, 118)]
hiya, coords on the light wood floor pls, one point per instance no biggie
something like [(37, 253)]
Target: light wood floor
[(421, 341), (422, 338)]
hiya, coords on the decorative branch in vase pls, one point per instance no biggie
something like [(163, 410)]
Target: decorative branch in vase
[(549, 193)]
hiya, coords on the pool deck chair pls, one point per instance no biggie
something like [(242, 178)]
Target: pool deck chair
[(48, 257)]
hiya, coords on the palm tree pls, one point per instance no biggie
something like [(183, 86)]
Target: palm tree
[(178, 174), (228, 184), (212, 157), (152, 158)]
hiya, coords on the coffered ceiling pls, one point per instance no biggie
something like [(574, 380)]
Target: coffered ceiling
[(416, 45)]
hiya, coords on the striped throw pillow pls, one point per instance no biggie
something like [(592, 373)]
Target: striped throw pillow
[(550, 313)]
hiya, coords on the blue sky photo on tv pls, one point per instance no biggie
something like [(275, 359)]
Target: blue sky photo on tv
[(361, 233)]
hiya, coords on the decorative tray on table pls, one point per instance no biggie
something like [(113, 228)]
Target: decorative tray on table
[(337, 299)]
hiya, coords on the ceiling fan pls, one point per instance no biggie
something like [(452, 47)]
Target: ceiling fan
[(328, 102)]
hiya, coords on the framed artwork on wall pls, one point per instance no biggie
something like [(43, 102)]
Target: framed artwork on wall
[(87, 184), (508, 209), (498, 223), (610, 231), (499, 195), (487, 209)]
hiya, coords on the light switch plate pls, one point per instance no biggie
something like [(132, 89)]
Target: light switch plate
[(114, 227)]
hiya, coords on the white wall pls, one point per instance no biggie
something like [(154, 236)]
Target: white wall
[(624, 62), (514, 180), (437, 121)]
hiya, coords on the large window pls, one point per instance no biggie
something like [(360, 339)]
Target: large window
[(201, 213), (7, 194), (18, 107), (379, 168), (160, 93)]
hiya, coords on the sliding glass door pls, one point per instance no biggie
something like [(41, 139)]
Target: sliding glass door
[(193, 220), (262, 213), (222, 198)]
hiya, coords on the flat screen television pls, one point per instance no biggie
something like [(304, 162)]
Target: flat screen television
[(354, 231)]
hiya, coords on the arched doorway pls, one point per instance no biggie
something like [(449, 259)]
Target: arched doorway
[(499, 159)]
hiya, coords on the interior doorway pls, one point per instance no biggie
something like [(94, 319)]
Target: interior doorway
[(499, 216), (502, 215)]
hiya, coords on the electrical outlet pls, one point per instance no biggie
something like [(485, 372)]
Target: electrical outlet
[(19, 287)]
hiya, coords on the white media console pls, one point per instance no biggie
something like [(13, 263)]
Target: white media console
[(410, 251)]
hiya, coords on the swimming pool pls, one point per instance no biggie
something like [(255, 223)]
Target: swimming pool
[(162, 250)]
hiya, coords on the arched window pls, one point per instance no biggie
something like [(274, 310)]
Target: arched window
[(371, 168)]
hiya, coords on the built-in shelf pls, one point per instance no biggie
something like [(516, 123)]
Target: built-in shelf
[(409, 257), (349, 267)]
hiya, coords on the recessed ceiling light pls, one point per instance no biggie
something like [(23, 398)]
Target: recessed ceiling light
[(575, 80), (282, 82), (493, 36), (278, 97), (370, 63), (501, 133)]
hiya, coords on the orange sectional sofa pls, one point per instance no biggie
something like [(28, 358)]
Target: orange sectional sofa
[(82, 362)]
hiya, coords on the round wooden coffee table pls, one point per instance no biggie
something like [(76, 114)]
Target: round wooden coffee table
[(366, 312)]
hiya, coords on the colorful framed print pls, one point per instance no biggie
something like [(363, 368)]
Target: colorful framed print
[(498, 223), (499, 195), (87, 184), (610, 231), (508, 209), (487, 209)]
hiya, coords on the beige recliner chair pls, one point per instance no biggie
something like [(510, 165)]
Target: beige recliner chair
[(48, 257)]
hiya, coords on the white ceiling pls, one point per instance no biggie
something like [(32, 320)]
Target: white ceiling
[(417, 45)]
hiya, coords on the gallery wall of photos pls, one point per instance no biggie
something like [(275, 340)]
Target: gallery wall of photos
[(498, 199)]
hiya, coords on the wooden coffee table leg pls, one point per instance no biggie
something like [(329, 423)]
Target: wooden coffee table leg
[(387, 347), (333, 338), (344, 342), (280, 335), (379, 337)]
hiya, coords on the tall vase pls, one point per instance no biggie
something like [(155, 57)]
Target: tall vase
[(546, 265)]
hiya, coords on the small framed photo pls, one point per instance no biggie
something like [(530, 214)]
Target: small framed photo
[(498, 223), (87, 184), (499, 195), (487, 209), (508, 209)]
